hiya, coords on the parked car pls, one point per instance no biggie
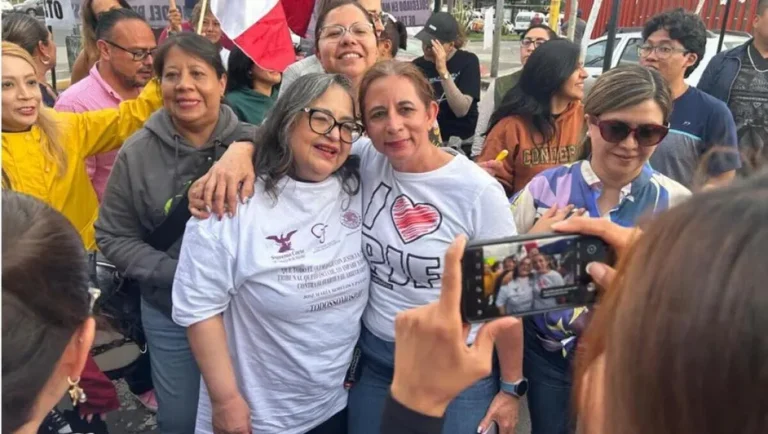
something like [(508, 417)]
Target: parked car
[(31, 7), (628, 41), (522, 21)]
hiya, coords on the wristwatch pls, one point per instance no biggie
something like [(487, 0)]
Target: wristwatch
[(445, 76), (517, 389)]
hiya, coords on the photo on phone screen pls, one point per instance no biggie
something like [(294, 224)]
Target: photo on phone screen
[(525, 275)]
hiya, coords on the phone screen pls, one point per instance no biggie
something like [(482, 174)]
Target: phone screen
[(524, 275)]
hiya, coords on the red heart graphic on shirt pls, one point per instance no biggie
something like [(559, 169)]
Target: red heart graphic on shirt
[(413, 221)]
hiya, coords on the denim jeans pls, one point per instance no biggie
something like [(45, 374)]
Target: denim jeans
[(549, 380), (174, 372), (367, 396)]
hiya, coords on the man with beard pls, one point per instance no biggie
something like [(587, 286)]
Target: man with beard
[(126, 44)]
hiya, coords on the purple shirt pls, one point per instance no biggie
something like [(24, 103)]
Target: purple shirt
[(89, 94)]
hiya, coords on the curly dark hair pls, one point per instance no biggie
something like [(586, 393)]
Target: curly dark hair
[(684, 27)]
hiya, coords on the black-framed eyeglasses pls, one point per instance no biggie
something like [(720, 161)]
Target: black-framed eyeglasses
[(359, 31), (322, 122), (662, 51), (527, 42), (138, 55)]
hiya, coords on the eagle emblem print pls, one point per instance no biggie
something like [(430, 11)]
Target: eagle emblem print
[(283, 240)]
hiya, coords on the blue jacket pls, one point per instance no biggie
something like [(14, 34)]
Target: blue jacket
[(717, 80)]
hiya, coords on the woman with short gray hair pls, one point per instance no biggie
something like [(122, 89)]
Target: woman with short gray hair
[(273, 297)]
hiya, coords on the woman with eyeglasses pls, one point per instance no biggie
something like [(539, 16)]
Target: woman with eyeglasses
[(47, 324), (416, 198), (272, 298), (32, 35), (308, 65), (530, 40), (627, 114), (149, 177), (89, 11), (541, 119)]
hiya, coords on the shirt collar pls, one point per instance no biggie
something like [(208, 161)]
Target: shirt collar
[(628, 191), (94, 73)]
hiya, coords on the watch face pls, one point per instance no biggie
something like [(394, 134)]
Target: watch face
[(522, 387)]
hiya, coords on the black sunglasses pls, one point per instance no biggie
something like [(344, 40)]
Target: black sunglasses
[(615, 131)]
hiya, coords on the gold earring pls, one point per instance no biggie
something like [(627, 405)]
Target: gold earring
[(76, 393)]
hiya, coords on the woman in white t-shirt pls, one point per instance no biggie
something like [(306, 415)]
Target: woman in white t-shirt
[(516, 289), (273, 297), (416, 199)]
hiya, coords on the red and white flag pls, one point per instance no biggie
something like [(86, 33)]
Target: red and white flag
[(259, 28)]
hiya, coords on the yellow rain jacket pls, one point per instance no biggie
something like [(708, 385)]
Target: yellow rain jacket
[(32, 172)]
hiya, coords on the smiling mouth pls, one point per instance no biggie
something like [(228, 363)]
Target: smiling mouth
[(27, 111), (187, 103), (327, 151), (397, 143), (346, 56)]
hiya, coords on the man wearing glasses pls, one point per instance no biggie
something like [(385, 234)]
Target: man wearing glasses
[(311, 64), (702, 131), (126, 44)]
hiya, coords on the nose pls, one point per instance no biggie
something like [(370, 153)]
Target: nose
[(25, 93), (185, 81), (629, 143), (394, 123), (334, 134), (583, 72)]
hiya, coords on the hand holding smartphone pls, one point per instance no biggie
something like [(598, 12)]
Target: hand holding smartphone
[(538, 273)]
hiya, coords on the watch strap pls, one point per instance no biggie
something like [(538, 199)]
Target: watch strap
[(513, 388)]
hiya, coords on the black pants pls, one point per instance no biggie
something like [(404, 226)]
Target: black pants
[(337, 424)]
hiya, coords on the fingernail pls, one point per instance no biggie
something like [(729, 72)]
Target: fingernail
[(596, 270), (207, 209), (479, 429)]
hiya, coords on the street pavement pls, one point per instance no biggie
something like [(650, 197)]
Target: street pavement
[(132, 418)]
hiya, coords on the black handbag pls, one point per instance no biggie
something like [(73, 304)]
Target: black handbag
[(120, 300)]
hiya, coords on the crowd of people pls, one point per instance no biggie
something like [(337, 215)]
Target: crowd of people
[(293, 240)]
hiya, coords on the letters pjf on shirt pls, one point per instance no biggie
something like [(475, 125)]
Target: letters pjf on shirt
[(395, 265)]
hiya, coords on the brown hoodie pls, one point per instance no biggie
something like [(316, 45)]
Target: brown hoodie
[(527, 156)]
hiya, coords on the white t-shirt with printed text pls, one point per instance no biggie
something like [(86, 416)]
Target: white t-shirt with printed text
[(292, 284), (410, 219)]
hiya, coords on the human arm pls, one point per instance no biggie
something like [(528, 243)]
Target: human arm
[(120, 234), (433, 363), (80, 68), (493, 219), (484, 111), (502, 137), (105, 130), (465, 89), (202, 290)]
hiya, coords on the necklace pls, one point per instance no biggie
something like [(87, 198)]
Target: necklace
[(749, 54)]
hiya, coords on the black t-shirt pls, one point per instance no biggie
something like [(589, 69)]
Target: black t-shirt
[(464, 67)]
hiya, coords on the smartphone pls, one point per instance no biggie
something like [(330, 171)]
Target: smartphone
[(493, 428), (529, 274)]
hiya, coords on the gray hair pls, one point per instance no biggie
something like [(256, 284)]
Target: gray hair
[(274, 158)]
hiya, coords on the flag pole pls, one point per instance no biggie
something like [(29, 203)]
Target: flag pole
[(203, 9), (725, 25)]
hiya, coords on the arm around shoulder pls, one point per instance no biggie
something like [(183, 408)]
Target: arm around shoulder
[(105, 130)]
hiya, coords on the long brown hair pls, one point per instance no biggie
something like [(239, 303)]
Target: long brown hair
[(89, 21), (682, 333), (51, 138), (45, 299)]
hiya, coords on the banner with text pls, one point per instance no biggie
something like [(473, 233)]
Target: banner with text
[(155, 12), (413, 13), (59, 14)]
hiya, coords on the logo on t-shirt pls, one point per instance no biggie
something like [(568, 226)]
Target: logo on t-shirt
[(283, 240), (351, 219), (318, 231), (414, 220)]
